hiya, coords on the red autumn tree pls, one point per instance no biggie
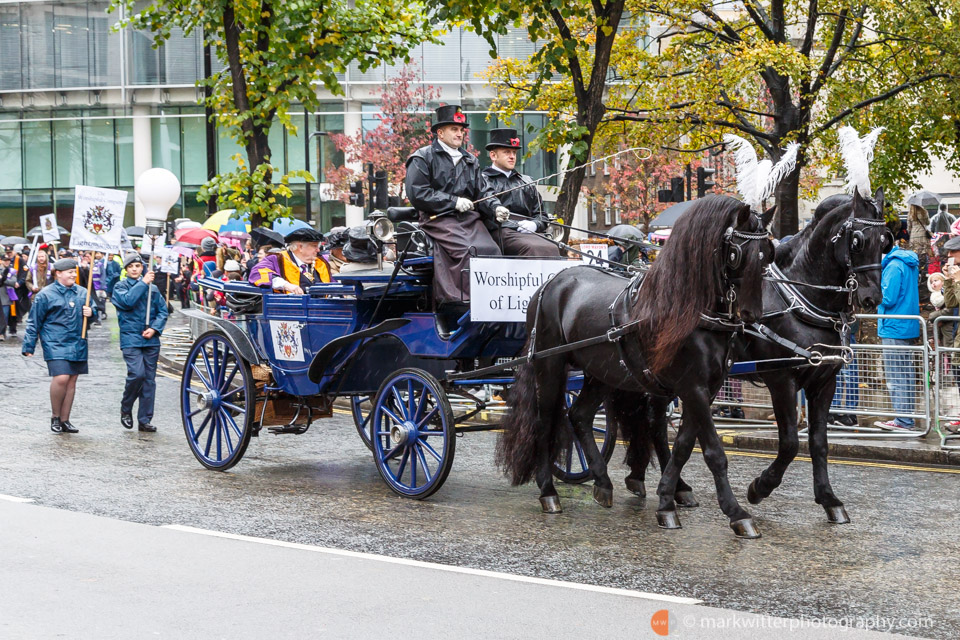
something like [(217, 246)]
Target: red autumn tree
[(404, 127), (632, 183)]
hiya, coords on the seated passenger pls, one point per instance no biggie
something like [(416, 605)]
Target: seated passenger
[(296, 268), (516, 236)]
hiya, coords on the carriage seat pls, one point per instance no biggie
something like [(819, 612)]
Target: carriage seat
[(402, 214)]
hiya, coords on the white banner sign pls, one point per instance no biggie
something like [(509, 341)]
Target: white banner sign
[(49, 228), (169, 262), (501, 288), (148, 244), (598, 250), (287, 341), (98, 219)]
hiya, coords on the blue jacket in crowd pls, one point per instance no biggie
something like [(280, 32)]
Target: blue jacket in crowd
[(112, 273), (56, 317), (130, 299), (901, 294)]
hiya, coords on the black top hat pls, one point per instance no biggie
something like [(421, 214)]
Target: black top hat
[(449, 114), (303, 234), (506, 138)]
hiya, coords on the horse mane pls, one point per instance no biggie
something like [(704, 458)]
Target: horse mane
[(686, 278)]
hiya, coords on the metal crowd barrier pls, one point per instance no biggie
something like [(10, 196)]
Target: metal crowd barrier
[(865, 387), (947, 368)]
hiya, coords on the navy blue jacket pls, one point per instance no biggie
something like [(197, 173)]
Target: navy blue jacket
[(113, 275), (57, 319), (130, 299)]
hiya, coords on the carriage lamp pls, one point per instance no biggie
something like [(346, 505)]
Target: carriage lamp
[(382, 229), (157, 190)]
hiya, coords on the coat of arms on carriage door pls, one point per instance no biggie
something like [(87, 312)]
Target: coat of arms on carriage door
[(287, 341)]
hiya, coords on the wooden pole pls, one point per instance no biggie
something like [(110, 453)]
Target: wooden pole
[(83, 333)]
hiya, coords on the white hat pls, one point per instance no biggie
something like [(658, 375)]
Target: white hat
[(231, 265)]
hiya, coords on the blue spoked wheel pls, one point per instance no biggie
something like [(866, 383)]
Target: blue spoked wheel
[(217, 402), (571, 465), (413, 433), (362, 412)]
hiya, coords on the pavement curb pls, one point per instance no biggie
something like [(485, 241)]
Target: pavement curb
[(862, 450)]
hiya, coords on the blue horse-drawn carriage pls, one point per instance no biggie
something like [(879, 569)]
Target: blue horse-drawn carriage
[(370, 337)]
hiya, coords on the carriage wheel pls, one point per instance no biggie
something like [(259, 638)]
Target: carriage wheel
[(571, 465), (413, 433), (217, 402), (362, 411)]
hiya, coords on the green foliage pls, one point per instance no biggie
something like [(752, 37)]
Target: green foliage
[(250, 191), (275, 53)]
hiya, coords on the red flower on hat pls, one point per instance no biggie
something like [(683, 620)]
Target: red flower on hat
[(459, 117), (514, 142)]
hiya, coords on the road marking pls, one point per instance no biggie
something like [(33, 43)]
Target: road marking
[(16, 499), (438, 567)]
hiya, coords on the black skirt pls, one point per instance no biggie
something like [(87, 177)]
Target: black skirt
[(66, 367)]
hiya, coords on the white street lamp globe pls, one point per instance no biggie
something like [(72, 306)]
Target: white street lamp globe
[(157, 190)]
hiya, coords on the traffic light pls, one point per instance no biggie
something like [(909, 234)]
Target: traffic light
[(676, 189), (356, 193), (380, 195), (705, 181)]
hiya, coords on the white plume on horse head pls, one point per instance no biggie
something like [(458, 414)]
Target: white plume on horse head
[(757, 181), (857, 153)]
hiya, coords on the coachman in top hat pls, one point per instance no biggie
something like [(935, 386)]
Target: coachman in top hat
[(443, 178), (516, 236)]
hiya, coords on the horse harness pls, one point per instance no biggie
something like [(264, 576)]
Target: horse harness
[(811, 314)]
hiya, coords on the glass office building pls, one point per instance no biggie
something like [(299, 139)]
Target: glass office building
[(81, 104)]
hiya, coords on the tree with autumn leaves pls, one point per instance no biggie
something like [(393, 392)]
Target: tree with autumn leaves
[(275, 54), (403, 127), (683, 72)]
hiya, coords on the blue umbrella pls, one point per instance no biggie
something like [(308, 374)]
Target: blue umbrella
[(283, 226), (233, 225)]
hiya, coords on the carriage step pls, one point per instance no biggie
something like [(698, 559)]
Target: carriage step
[(295, 429)]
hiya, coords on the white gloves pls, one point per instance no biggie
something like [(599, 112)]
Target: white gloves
[(527, 226), (464, 204), (502, 213)]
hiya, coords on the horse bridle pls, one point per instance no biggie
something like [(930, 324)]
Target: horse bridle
[(855, 244), (733, 260)]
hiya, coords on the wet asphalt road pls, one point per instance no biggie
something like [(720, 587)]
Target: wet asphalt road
[(898, 558)]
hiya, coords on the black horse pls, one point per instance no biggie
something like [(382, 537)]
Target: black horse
[(668, 333), (833, 264)]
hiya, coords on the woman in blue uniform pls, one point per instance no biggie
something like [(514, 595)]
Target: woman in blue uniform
[(56, 318)]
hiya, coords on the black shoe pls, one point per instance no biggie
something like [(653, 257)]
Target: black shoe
[(55, 425), (126, 420), (849, 420), (737, 413), (66, 427), (146, 426)]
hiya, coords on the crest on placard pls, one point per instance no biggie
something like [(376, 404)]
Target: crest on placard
[(98, 220)]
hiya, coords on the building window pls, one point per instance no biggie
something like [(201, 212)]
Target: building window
[(616, 214), (607, 210), (592, 168), (593, 212)]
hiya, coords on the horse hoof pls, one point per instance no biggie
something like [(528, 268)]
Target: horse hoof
[(837, 515), (685, 499), (551, 504), (636, 487), (752, 496), (603, 497), (745, 528), (668, 520)]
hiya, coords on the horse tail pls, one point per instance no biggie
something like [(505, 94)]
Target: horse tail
[(517, 450)]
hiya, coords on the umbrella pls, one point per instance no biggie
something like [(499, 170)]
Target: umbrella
[(924, 199), (668, 217), (222, 217), (125, 241), (134, 232), (37, 231), (185, 223), (181, 249), (234, 226), (283, 226), (263, 235), (14, 240), (194, 236)]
